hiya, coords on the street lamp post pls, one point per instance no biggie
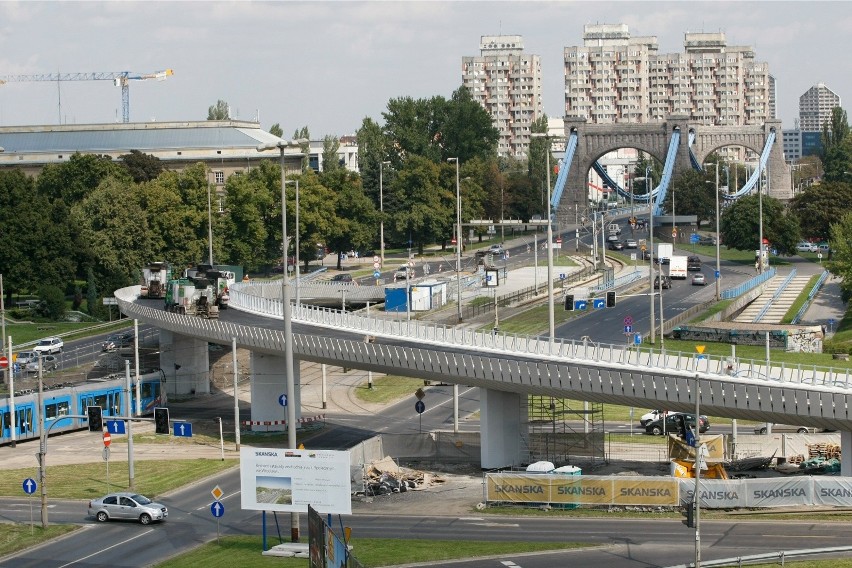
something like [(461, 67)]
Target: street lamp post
[(298, 301), (287, 316), (649, 185), (458, 240), (718, 263), (209, 228), (550, 317), (382, 211)]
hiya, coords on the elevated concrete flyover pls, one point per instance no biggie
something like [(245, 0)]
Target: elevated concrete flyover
[(509, 367)]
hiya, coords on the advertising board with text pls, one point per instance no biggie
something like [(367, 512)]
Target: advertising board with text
[(276, 479)]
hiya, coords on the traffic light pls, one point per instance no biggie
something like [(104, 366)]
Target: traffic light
[(610, 299), (569, 303), (96, 421), (161, 420)]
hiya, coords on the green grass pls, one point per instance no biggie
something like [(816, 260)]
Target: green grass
[(87, 481), (387, 389), (800, 299), (15, 537), (23, 332), (244, 551)]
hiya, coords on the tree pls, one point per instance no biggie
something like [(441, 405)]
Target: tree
[(739, 225), (73, 180), (245, 227), (141, 166), (421, 199), (836, 153), (841, 256), (644, 186), (818, 206), (276, 130), (465, 129), (52, 304), (330, 160), (372, 151), (220, 111), (355, 221), (304, 135), (691, 193)]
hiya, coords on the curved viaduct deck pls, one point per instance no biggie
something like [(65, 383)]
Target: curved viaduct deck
[(522, 364)]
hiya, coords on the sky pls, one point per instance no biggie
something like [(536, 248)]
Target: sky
[(329, 64)]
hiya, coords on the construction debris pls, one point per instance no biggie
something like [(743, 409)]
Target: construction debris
[(383, 477)]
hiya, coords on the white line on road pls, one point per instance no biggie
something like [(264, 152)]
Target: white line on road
[(107, 548)]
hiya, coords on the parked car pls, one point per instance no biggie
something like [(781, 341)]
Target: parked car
[(117, 341), (667, 282), (616, 245), (805, 246), (48, 363), (674, 423), (785, 428), (403, 272), (707, 241), (128, 506), (342, 278), (631, 244), (698, 279), (49, 345)]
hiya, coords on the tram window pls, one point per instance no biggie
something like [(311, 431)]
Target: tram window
[(101, 400), (6, 420), (147, 390), (53, 411)]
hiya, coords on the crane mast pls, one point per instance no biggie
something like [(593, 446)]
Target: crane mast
[(119, 78)]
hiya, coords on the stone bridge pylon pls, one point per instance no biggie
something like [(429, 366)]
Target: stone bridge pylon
[(596, 140)]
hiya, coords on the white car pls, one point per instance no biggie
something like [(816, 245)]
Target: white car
[(807, 247), (49, 345), (25, 357), (651, 416)]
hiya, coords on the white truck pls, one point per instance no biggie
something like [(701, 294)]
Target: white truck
[(677, 267), (664, 253)]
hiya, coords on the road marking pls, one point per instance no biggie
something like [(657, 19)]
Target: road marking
[(497, 524), (207, 506), (107, 548)]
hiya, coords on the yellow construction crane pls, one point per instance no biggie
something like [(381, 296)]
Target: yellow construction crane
[(119, 78)]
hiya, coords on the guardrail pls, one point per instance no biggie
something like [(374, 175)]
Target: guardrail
[(798, 317), (775, 296), (780, 555), (748, 285)]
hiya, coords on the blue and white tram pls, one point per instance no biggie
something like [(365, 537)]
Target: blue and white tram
[(109, 394)]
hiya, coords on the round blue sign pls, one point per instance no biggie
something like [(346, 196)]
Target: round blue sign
[(282, 400), (377, 274), (29, 486), (217, 509), (419, 406)]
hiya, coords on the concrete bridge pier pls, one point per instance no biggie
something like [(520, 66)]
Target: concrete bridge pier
[(268, 383), (504, 427), (185, 363)]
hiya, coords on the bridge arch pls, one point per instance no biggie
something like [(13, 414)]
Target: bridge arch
[(595, 140)]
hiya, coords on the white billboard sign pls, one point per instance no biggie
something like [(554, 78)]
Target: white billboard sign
[(276, 479)]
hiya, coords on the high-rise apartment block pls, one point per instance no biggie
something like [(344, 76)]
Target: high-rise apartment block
[(815, 107), (507, 83), (616, 78)]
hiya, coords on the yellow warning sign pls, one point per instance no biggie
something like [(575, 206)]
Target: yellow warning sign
[(700, 349)]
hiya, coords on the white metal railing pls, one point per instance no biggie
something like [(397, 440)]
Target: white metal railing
[(537, 346)]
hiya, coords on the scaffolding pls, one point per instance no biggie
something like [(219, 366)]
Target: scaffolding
[(565, 431)]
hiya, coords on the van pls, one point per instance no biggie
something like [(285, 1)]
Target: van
[(614, 229), (693, 264)]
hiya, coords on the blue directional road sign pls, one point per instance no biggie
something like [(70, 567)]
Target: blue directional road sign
[(419, 406), (716, 274), (581, 304), (217, 509), (637, 339), (29, 486), (282, 400), (377, 274), (115, 427), (598, 303), (562, 276), (628, 329), (182, 429), (693, 238)]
